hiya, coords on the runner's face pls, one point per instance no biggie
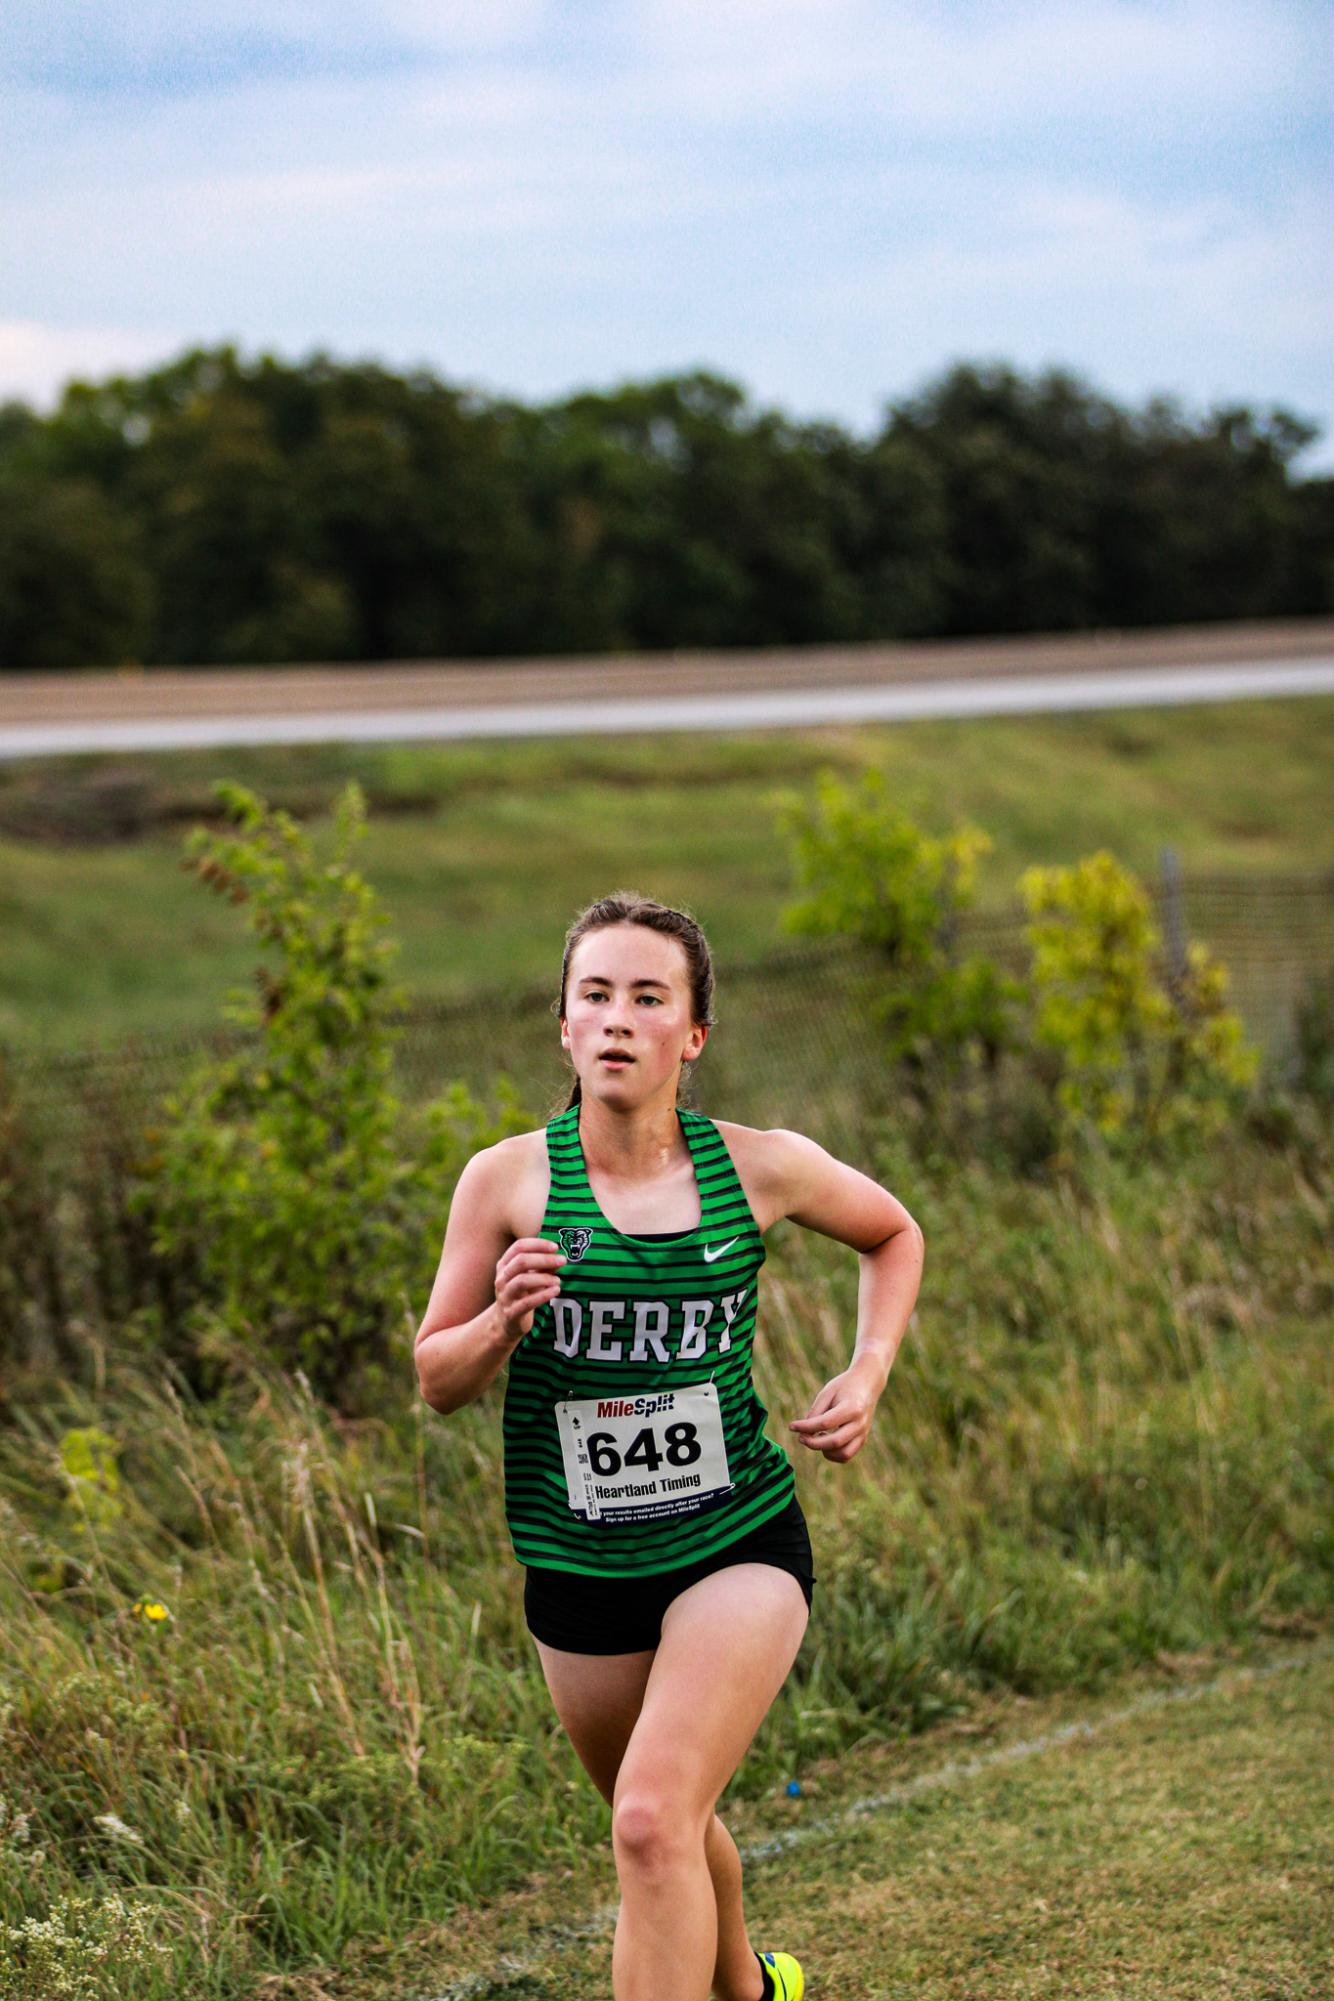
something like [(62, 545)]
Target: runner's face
[(628, 989)]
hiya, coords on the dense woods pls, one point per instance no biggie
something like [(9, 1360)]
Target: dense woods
[(224, 510)]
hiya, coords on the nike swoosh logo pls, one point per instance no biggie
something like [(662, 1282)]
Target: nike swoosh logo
[(709, 1255)]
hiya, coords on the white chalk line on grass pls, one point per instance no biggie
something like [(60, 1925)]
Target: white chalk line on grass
[(555, 1938)]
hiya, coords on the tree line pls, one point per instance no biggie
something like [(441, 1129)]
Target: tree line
[(219, 510)]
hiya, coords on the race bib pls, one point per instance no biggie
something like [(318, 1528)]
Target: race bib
[(637, 1458)]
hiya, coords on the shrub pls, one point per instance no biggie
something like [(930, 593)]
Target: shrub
[(81, 1951), (1133, 1056), (289, 1170), (875, 876)]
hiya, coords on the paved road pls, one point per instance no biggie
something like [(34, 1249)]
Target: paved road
[(51, 714)]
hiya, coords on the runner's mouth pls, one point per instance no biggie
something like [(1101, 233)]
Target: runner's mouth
[(616, 1059)]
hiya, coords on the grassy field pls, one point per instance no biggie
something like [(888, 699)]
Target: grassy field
[(265, 1668), (482, 853), (1171, 1841)]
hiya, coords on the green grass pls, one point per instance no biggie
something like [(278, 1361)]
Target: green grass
[(483, 853), (1108, 1437), (1107, 1442), (1178, 1847)]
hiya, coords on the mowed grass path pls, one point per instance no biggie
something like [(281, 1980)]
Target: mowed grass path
[(1183, 1852), (483, 853)]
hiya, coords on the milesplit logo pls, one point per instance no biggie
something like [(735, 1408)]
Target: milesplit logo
[(636, 1406)]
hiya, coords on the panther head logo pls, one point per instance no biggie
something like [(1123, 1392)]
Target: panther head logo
[(574, 1242)]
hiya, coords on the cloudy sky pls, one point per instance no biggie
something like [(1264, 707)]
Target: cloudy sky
[(827, 199)]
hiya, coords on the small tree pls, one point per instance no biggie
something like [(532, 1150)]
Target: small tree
[(1133, 1057), (875, 876), (288, 1169)]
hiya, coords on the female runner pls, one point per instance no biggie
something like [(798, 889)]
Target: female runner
[(611, 1259)]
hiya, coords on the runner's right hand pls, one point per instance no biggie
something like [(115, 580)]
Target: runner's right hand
[(526, 1277)]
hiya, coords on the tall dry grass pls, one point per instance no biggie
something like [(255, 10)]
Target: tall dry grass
[(264, 1670)]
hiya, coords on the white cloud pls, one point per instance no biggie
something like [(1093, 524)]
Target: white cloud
[(36, 360), (967, 70), (477, 24), (86, 41), (1182, 270), (827, 198)]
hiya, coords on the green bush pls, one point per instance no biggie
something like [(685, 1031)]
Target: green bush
[(1100, 1041), (309, 1198), (1137, 1055), (875, 876)]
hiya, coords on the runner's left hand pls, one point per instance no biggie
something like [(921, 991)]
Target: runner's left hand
[(839, 1420)]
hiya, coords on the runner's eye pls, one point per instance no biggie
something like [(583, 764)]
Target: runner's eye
[(598, 993)]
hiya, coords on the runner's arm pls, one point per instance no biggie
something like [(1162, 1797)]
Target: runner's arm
[(821, 1193), (461, 1345)]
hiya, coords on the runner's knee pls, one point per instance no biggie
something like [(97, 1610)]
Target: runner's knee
[(655, 1828)]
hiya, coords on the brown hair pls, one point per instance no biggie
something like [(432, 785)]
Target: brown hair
[(626, 906)]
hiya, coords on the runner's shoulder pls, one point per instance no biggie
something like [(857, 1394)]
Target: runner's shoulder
[(516, 1147), (505, 1184), (768, 1159)]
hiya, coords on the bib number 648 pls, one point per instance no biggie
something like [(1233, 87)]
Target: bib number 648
[(681, 1447), (628, 1465)]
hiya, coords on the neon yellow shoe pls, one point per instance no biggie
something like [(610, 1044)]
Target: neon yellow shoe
[(788, 1979)]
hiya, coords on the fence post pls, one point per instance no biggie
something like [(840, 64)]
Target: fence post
[(1174, 921)]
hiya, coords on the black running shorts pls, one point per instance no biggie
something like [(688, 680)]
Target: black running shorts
[(623, 1615)]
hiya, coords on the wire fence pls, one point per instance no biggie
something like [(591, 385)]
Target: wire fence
[(795, 1038)]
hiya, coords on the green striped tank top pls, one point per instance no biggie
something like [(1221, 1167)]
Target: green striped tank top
[(634, 1441)]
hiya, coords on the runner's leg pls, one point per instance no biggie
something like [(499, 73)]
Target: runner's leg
[(736, 1971), (727, 1644), (598, 1698)]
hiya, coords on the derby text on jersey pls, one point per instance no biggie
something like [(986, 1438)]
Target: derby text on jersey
[(634, 1440)]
